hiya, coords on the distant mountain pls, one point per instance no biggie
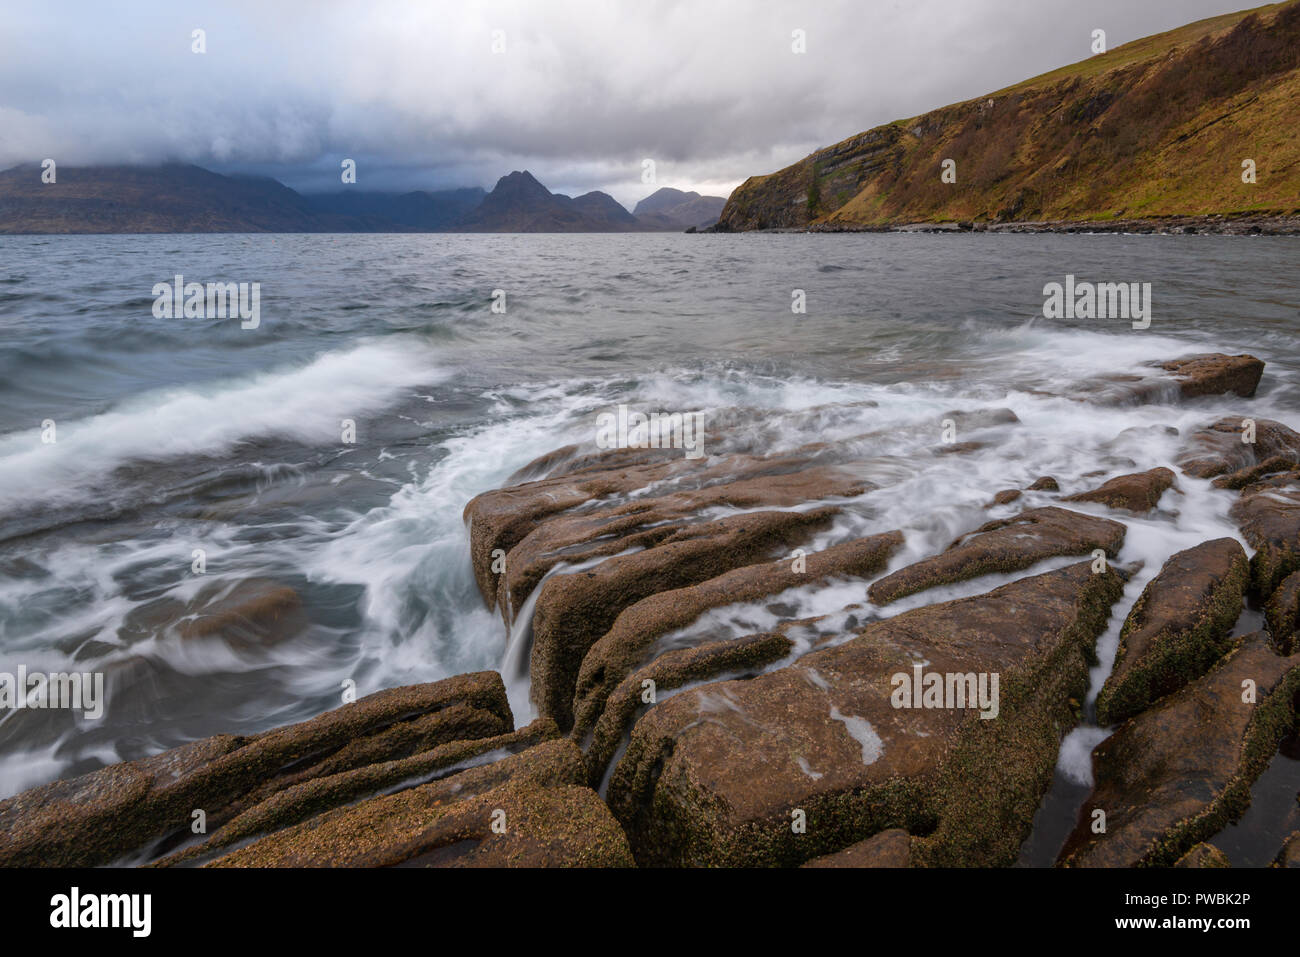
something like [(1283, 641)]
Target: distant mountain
[(422, 210), (520, 204), (180, 198), (1169, 125), (669, 208)]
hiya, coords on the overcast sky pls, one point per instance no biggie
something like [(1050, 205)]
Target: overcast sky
[(583, 92)]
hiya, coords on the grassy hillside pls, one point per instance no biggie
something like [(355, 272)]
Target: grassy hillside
[(1158, 127)]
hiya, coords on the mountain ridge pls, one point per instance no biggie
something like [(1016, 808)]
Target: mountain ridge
[(184, 198), (1155, 128)]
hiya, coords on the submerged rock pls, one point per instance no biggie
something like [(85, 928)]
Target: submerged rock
[(1180, 771), (1178, 628), (716, 774), (100, 817), (248, 611), (1005, 545), (1136, 493)]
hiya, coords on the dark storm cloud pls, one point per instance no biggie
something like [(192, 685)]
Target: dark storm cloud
[(583, 92)]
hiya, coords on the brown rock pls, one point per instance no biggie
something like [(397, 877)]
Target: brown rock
[(258, 815), (649, 521), (1289, 856), (627, 644), (892, 848), (1137, 493), (99, 817), (1253, 473), (1045, 483), (573, 611), (713, 775), (1283, 613), (1219, 448), (1006, 545), (248, 611), (548, 821), (1005, 497), (1215, 374), (1203, 855), (670, 671), (1268, 514), (1178, 628), (1181, 770), (1187, 377)]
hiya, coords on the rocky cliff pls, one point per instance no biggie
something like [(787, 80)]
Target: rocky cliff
[(1160, 127)]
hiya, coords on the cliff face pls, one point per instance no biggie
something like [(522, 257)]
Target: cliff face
[(1158, 127)]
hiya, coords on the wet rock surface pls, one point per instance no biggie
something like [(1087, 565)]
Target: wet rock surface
[(1225, 446), (1175, 774), (1179, 626), (112, 813), (714, 775), (1268, 513), (1004, 545), (1136, 493), (697, 708), (628, 642)]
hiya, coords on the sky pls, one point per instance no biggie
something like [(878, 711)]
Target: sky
[(426, 94)]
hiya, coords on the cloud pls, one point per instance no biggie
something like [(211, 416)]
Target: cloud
[(582, 92)]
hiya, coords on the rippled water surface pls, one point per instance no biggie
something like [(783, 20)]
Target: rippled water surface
[(182, 434)]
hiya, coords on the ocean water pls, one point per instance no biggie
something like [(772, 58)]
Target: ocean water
[(184, 434)]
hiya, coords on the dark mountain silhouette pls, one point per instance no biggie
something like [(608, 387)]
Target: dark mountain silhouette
[(421, 209), (172, 198), (520, 204), (181, 198), (669, 208)]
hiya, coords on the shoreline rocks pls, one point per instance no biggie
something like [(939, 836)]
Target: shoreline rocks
[(1179, 626), (1004, 545), (1177, 773)]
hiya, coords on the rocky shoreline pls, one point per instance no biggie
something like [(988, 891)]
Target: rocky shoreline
[(1216, 225), (660, 741)]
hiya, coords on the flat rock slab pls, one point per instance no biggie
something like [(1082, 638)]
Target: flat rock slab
[(1138, 493), (99, 817), (1006, 545), (529, 810), (714, 775), (574, 610), (1178, 628), (1180, 771), (629, 643)]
